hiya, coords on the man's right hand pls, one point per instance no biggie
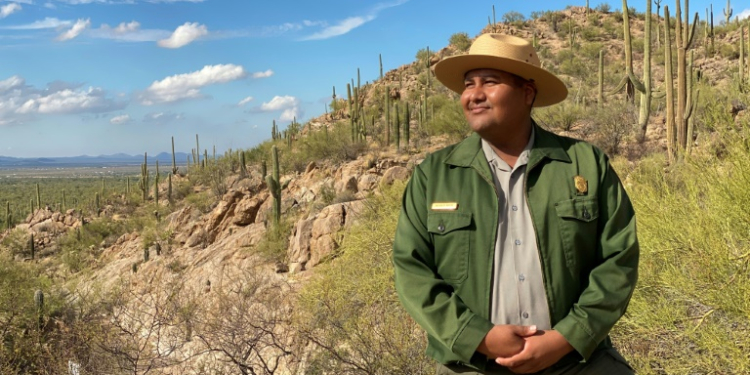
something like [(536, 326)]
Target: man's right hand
[(505, 340)]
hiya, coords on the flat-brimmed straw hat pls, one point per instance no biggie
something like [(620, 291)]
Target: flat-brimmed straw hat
[(507, 53)]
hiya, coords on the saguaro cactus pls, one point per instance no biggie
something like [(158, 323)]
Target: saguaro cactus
[(31, 245), (645, 105), (169, 189), (407, 116), (38, 198), (600, 89), (174, 163), (275, 187), (728, 13), (669, 83), (143, 185), (684, 36), (39, 303), (197, 157), (742, 56), (7, 215)]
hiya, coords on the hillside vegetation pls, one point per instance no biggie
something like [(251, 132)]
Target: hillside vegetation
[(248, 263)]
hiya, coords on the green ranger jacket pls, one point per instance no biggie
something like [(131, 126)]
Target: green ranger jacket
[(445, 241)]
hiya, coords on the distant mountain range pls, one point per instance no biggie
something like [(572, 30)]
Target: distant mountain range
[(164, 158)]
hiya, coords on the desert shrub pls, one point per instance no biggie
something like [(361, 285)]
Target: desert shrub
[(728, 51), (350, 311), (334, 144), (559, 117), (694, 233), (590, 33), (273, 247), (449, 118), (610, 128), (603, 8), (513, 17), (461, 41)]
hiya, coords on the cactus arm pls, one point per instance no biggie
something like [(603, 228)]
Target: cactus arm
[(691, 36)]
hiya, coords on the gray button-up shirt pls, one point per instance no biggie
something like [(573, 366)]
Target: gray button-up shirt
[(518, 295)]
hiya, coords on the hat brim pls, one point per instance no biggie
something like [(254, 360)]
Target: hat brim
[(451, 71)]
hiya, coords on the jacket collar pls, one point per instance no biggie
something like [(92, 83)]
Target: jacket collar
[(469, 152)]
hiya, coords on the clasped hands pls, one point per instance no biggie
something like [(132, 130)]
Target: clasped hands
[(524, 349)]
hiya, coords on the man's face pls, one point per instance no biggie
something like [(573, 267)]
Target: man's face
[(495, 101)]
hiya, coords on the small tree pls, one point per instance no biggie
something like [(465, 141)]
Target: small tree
[(461, 41)]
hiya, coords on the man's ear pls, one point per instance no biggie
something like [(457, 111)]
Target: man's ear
[(530, 93)]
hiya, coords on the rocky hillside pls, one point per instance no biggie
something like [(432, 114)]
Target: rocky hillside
[(205, 282)]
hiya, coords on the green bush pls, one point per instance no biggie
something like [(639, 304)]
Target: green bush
[(693, 287), (461, 41), (449, 118), (513, 17), (350, 311)]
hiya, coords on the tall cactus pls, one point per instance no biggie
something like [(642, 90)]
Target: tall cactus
[(629, 81), (600, 89), (39, 304), (728, 13), (197, 157), (380, 58), (7, 215), (669, 83), (742, 57), (398, 129), (156, 184), (645, 105), (684, 36), (174, 162), (275, 187), (38, 198), (143, 185), (96, 204), (31, 245), (658, 7), (407, 116)]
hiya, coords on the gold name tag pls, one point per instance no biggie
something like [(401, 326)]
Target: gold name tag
[(444, 206)]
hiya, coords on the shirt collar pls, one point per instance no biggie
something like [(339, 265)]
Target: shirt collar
[(499, 163)]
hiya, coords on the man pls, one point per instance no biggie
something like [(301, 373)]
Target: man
[(516, 249)]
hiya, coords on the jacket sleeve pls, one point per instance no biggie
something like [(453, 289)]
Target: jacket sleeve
[(612, 281), (427, 298)]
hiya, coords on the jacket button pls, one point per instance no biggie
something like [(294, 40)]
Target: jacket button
[(586, 214), (441, 228)]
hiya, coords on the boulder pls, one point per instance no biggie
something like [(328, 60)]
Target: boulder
[(395, 173), (247, 210)]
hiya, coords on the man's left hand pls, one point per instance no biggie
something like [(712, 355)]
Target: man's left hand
[(540, 352)]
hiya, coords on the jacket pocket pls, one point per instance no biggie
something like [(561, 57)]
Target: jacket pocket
[(578, 219), (450, 236)]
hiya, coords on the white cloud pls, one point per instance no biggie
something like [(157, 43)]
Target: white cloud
[(187, 86), (265, 74), (47, 23), (7, 10), (162, 117), (341, 28), (69, 101), (744, 14), (19, 100), (75, 31), (245, 101), (127, 27), (129, 32), (184, 35), (119, 120), (288, 105), (348, 24)]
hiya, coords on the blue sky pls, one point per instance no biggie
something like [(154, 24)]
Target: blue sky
[(107, 76)]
